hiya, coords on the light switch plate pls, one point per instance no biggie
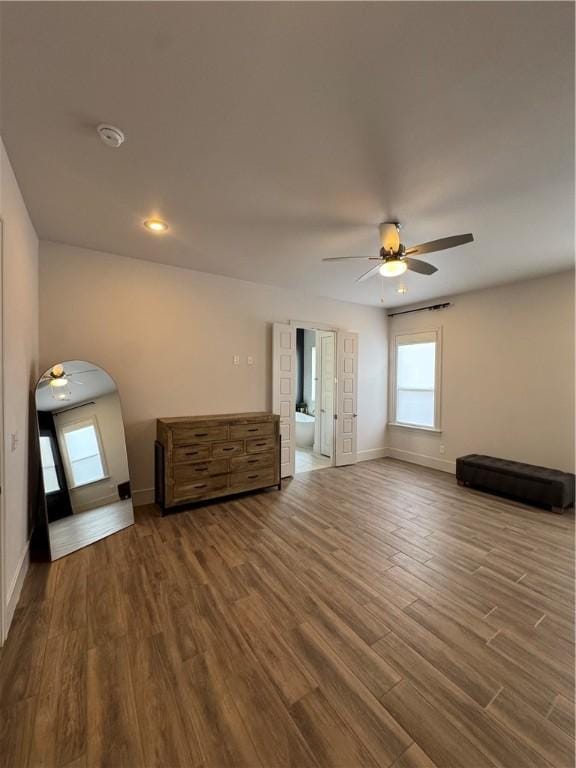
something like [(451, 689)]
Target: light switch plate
[(250, 360), (236, 359)]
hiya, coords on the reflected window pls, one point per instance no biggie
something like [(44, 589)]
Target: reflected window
[(48, 460), (85, 458)]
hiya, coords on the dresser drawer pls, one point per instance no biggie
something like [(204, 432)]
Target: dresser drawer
[(252, 478), (238, 431), (253, 461), (188, 453), (225, 450), (258, 444), (200, 488), (184, 435), (185, 473)]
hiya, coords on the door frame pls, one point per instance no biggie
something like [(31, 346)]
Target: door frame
[(320, 336), (3, 606), (308, 325)]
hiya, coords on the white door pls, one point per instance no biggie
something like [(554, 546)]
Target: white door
[(347, 397), (284, 391), (327, 377)]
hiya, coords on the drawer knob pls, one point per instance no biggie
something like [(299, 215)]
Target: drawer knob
[(229, 449), (201, 434), (253, 429), (252, 477)]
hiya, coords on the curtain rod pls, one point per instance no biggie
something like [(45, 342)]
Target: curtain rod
[(421, 309), (73, 407)]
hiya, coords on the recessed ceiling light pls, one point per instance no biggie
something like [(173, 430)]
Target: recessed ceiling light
[(156, 225), (401, 289)]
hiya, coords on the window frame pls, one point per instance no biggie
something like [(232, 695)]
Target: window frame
[(71, 427), (436, 334)]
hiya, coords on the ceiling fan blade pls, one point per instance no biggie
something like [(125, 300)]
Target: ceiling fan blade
[(439, 245), (349, 258), (79, 373), (372, 272), (414, 265)]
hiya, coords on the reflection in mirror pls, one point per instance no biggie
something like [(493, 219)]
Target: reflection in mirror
[(83, 455)]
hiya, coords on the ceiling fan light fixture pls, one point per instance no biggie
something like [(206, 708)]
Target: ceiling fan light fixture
[(393, 268), (59, 382)]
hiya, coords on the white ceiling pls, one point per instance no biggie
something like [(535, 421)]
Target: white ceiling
[(86, 383), (270, 135)]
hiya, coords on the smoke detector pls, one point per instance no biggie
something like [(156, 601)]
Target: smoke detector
[(110, 135)]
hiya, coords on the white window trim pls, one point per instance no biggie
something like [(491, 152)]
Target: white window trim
[(437, 334), (70, 427)]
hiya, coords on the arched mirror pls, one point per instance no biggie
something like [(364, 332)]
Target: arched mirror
[(85, 476)]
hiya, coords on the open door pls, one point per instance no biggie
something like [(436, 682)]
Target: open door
[(347, 397), (284, 391), (327, 376)]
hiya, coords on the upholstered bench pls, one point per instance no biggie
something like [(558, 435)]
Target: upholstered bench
[(536, 485)]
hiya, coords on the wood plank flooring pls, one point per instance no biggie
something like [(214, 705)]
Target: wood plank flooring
[(373, 615), (70, 533)]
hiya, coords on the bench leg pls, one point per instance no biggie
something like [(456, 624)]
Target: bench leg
[(461, 483), (558, 510)]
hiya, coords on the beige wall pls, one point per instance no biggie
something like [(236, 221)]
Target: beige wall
[(168, 337), (20, 338), (508, 376)]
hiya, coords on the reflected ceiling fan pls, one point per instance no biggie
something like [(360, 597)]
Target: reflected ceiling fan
[(394, 258), (59, 381)]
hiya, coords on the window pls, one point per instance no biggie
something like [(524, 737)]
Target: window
[(85, 462), (416, 382), (49, 473)]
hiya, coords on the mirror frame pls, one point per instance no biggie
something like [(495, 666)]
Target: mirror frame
[(40, 543)]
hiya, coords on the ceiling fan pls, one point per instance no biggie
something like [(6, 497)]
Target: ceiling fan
[(59, 381), (394, 258)]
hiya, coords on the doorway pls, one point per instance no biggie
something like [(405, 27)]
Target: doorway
[(341, 398), (315, 399)]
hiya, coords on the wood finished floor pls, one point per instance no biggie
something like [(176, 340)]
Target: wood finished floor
[(375, 615)]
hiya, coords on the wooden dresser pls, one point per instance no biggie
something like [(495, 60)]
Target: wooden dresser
[(204, 457)]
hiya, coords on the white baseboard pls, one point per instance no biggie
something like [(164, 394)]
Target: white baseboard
[(142, 497), (110, 498), (146, 495), (15, 588), (372, 453), (444, 465)]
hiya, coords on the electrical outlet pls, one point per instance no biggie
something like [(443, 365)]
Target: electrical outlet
[(442, 450), (236, 359), (250, 360)]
